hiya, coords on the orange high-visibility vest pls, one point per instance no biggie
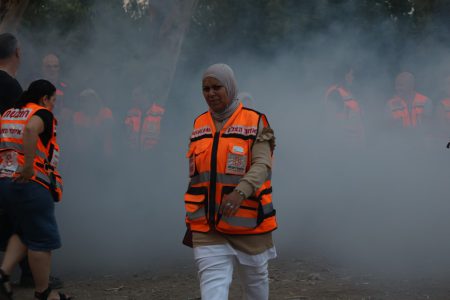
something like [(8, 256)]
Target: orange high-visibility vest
[(217, 162), (81, 119), (352, 115), (144, 129), (12, 158), (399, 110)]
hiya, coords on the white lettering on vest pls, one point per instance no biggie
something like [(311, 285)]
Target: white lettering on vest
[(200, 132), (16, 114), (242, 130)]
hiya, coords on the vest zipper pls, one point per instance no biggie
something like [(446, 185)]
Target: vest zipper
[(213, 180)]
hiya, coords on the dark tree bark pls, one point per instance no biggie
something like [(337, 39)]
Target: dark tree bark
[(171, 35), (11, 12)]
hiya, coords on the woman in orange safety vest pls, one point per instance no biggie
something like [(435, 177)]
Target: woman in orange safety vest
[(29, 186), (229, 211)]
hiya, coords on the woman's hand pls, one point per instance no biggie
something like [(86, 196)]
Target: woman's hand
[(25, 175), (231, 203)]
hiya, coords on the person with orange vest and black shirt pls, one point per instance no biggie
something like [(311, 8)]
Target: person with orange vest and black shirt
[(143, 122), (229, 211), (30, 185), (51, 71), (93, 126), (343, 112), (408, 109)]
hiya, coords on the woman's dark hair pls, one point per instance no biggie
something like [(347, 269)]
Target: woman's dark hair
[(36, 90)]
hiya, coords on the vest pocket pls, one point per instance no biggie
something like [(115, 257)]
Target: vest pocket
[(245, 219), (237, 159), (198, 156), (195, 202)]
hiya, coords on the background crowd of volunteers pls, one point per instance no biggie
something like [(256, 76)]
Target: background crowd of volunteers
[(87, 125), (407, 115)]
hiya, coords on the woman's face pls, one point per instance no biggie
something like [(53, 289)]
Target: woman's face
[(49, 102), (215, 94)]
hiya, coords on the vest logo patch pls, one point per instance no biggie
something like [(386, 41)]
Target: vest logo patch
[(236, 163), (17, 114), (242, 130), (201, 132), (14, 131), (8, 163)]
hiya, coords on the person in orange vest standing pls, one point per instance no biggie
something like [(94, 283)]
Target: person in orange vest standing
[(93, 125), (30, 185), (229, 211), (343, 112), (408, 108), (51, 70), (143, 122)]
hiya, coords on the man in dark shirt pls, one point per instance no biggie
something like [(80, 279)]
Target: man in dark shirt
[(10, 89)]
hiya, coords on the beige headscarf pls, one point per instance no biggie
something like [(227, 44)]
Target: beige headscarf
[(225, 75)]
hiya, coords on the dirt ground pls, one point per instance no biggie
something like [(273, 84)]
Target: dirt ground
[(289, 279)]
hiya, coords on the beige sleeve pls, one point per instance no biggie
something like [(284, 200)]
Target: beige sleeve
[(261, 162)]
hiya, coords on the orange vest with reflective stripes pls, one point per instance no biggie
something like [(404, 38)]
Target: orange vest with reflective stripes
[(399, 110), (445, 109), (144, 129), (352, 115), (12, 158), (217, 162), (83, 120)]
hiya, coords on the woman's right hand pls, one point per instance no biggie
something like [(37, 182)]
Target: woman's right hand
[(25, 175)]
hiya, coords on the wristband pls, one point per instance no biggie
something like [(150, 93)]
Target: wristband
[(241, 193)]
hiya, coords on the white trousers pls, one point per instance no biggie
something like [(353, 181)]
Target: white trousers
[(216, 272)]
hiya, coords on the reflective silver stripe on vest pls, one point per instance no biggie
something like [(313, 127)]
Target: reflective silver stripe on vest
[(239, 221), (268, 208), (200, 178), (19, 148), (221, 178), (46, 179), (196, 214), (42, 177)]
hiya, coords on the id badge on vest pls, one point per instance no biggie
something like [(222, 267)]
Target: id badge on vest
[(236, 161), (8, 163)]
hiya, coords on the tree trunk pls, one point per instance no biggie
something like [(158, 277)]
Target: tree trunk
[(171, 36), (11, 12)]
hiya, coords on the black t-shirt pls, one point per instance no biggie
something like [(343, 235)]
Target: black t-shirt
[(10, 91), (47, 118)]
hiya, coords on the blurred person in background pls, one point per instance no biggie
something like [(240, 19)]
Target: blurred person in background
[(92, 126), (143, 122), (30, 186), (51, 70), (229, 211), (408, 109), (344, 117)]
